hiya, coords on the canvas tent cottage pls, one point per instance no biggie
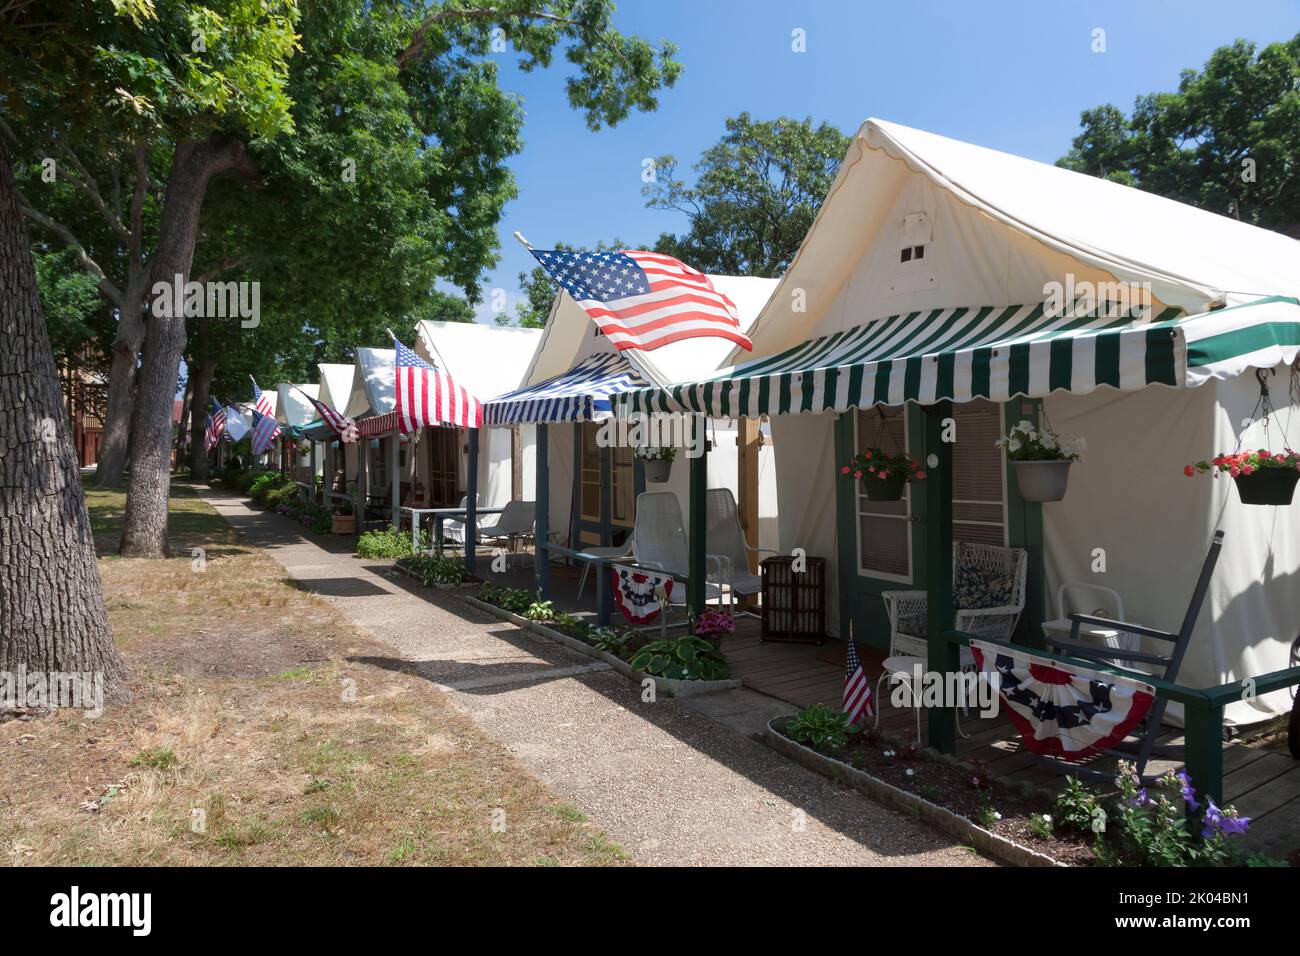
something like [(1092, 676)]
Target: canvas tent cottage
[(295, 413), (942, 281), (487, 361), (569, 388)]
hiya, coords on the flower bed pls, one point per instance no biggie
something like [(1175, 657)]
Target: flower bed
[(679, 666), (1130, 825)]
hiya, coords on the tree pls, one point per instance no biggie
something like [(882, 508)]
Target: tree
[(52, 615), (219, 88), (756, 193), (1228, 140)]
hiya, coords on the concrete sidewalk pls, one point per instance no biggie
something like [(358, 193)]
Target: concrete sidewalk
[(674, 782)]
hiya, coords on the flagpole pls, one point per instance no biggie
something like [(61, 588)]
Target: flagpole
[(524, 242)]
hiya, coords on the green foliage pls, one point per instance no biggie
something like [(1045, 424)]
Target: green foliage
[(540, 611), (1228, 140), (283, 495), (1040, 825), (159, 758), (820, 726), (609, 639), (74, 312), (515, 600), (436, 569), (387, 542), (263, 483), (1078, 810), (755, 195), (682, 658)]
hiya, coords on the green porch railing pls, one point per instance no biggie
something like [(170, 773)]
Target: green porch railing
[(1202, 706)]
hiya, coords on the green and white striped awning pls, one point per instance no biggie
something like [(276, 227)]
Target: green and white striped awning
[(990, 352)]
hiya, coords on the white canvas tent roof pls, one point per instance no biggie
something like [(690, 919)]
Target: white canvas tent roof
[(1193, 259), (377, 372), (485, 360), (293, 408), (341, 389)]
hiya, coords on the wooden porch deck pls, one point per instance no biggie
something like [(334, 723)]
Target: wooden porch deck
[(1262, 782)]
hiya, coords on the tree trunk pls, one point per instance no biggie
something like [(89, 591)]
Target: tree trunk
[(52, 615), (183, 427), (144, 528), (121, 393), (201, 376)]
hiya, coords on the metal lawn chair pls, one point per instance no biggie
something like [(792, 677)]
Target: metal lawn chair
[(453, 529), (659, 541), (727, 538), (1141, 744), (513, 525)]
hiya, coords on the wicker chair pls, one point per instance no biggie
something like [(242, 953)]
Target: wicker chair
[(907, 615)]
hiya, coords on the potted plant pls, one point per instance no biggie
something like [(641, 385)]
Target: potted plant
[(713, 623), (883, 475), (343, 521), (657, 462), (1042, 460), (1263, 477)]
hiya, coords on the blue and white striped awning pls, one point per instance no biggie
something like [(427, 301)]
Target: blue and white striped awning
[(582, 394)]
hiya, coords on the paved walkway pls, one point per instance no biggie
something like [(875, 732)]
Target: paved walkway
[(675, 782)]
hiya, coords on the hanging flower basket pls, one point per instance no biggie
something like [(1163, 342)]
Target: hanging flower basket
[(1042, 460), (1262, 477), (657, 463), (883, 475)]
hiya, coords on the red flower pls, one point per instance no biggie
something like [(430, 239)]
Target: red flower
[(920, 476), (1189, 471)]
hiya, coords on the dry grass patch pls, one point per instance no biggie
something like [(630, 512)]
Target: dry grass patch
[(257, 737)]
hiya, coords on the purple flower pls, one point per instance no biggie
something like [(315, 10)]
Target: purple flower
[(1218, 821), (1185, 788)]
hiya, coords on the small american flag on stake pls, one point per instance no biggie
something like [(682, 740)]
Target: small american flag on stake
[(428, 396), (643, 300), (857, 689), (216, 425)]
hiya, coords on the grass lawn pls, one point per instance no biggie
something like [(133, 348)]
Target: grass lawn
[(255, 737)]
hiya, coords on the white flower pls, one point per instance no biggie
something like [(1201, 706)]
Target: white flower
[(910, 771), (1013, 445), (1047, 818), (1049, 440), (996, 815), (1025, 425)]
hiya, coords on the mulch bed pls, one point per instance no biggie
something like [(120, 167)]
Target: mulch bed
[(962, 792)]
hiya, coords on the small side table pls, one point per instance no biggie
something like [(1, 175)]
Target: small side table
[(794, 602)]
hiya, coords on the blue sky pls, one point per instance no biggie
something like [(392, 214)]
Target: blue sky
[(1009, 75)]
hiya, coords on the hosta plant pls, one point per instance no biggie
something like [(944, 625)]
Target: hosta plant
[(820, 726), (681, 658)]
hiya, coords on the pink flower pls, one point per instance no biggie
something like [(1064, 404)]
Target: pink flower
[(1247, 470), (844, 470), (857, 474), (920, 476)]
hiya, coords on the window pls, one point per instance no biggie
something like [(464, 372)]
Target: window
[(979, 488), (911, 252), (884, 527), (979, 512)]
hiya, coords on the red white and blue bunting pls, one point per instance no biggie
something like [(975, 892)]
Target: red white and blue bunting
[(1065, 712), (641, 595)]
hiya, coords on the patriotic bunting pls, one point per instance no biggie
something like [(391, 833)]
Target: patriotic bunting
[(1064, 712), (638, 593)]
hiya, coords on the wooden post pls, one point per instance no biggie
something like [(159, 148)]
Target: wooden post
[(699, 482), (395, 476), (748, 445), (1204, 750), (311, 476), (363, 487), (542, 505), (471, 504), (943, 657)]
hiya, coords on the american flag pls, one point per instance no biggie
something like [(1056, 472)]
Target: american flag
[(427, 396), (857, 689), (642, 300), (236, 427), (216, 425), (342, 426), (264, 432), (263, 406)]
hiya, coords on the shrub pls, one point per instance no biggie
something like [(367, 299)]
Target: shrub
[(609, 640), (284, 495), (265, 483), (435, 568), (819, 726), (540, 611), (387, 543), (682, 658), (243, 480), (515, 600)]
